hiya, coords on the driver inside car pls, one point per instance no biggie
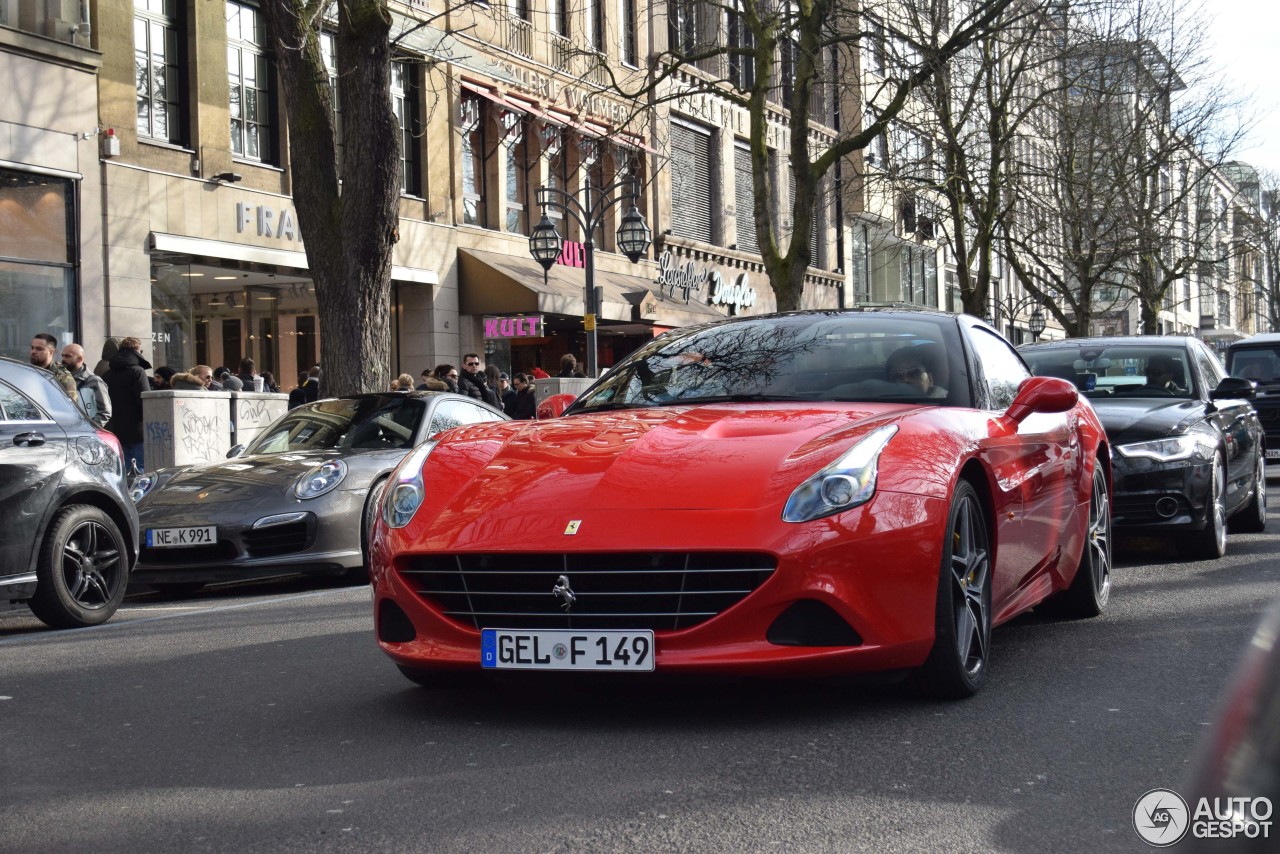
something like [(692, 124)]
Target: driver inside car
[(1160, 373)]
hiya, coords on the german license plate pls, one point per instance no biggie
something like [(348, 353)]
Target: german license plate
[(1273, 453), (521, 649), (164, 538)]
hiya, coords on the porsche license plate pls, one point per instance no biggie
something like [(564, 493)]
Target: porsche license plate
[(163, 538), (528, 649)]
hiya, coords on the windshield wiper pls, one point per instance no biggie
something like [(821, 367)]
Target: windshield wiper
[(733, 398)]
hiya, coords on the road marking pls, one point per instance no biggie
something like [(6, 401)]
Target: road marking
[(185, 613)]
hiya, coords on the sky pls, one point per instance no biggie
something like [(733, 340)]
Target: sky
[(1244, 43)]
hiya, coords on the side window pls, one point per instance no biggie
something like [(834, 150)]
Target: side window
[(1002, 369), (455, 413), (15, 406), (1210, 368)]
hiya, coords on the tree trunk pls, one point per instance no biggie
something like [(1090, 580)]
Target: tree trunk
[(349, 228)]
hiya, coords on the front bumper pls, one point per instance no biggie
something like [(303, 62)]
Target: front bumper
[(1154, 498)]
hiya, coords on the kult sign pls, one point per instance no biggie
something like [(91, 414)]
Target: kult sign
[(513, 327)]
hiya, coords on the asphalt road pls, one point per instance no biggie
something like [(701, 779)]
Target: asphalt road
[(265, 718)]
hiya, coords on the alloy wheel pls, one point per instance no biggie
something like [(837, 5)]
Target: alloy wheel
[(91, 565)]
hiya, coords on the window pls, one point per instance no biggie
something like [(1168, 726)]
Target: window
[(593, 20), (690, 182), (742, 68), (558, 16), (15, 406), (683, 34), (1002, 370), (331, 66), (873, 46), (37, 276), (553, 148), (158, 70), (744, 199), (404, 100), (517, 146), (627, 31), (249, 78), (471, 126)]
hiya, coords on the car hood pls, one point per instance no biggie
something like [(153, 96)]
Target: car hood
[(711, 457), (246, 478), (1144, 419)]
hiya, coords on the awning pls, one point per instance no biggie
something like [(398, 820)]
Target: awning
[(654, 306), (181, 245), (493, 283)]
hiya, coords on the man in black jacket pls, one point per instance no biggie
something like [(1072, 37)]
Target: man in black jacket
[(126, 381), (472, 382)]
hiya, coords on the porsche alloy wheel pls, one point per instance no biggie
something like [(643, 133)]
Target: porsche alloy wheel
[(83, 569), (957, 665), (1211, 542), (1252, 518), (1091, 588)]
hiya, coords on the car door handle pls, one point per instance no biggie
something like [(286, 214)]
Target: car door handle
[(29, 439)]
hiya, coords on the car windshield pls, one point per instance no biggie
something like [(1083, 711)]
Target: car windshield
[(1122, 371), (864, 356), (1258, 362), (363, 423)]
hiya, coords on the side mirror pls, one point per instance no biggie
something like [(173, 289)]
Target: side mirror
[(1042, 394), (236, 450), (554, 406), (1235, 388)]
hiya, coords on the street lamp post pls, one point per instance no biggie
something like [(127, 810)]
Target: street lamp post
[(545, 241), (1010, 309)]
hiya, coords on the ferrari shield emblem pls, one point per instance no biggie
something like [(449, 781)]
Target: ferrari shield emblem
[(572, 527)]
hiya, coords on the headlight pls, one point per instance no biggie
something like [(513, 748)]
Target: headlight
[(1168, 450), (405, 492), (846, 483), (141, 487), (322, 479)]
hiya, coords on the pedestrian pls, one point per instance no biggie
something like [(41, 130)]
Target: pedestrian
[(472, 381), (506, 393), (162, 378), (215, 379), (526, 403), (404, 382), (313, 384), (187, 381), (449, 374), (538, 374), (109, 349), (491, 376), (248, 374), (430, 382), (204, 374), (126, 382), (298, 396), (569, 366), (228, 380), (43, 348), (93, 393), (269, 382)]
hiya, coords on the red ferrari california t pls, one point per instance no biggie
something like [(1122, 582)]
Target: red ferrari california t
[(808, 493)]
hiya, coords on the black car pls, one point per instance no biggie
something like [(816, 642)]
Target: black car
[(1258, 359), (70, 535), (1187, 447)]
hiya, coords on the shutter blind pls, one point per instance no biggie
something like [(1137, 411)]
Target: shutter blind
[(744, 200), (690, 183)]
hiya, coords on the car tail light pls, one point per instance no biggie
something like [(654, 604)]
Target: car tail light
[(111, 441)]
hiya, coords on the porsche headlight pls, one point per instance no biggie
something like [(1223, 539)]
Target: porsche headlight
[(846, 483), (406, 491), (141, 486), (1171, 449), (321, 480)]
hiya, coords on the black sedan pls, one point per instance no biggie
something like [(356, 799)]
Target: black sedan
[(297, 500), (70, 531), (1187, 447)]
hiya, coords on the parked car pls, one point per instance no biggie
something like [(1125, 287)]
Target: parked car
[(797, 494), (296, 500), (1258, 359), (1187, 448), (70, 531)]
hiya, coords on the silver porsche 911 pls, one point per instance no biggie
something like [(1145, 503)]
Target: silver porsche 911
[(297, 500)]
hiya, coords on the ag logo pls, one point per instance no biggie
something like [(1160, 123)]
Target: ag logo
[(1161, 818)]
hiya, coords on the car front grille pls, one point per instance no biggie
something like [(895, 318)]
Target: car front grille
[(216, 553), (659, 591), (276, 539)]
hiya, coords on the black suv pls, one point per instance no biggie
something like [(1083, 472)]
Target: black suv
[(69, 536), (1258, 359)]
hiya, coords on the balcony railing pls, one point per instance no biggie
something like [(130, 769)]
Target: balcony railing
[(518, 33), (562, 53)]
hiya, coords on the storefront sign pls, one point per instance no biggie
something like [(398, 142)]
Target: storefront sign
[(689, 280), (572, 254), (513, 327), (270, 223)]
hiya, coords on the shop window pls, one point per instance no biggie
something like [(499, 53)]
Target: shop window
[(232, 348), (305, 348), (158, 65), (249, 73), (37, 276), (691, 182)]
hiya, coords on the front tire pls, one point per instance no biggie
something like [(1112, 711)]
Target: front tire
[(1252, 518), (1211, 542), (957, 665), (83, 569), (1091, 588)]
